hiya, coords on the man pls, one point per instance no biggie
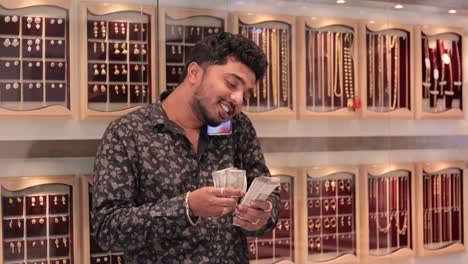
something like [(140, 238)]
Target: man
[(153, 193)]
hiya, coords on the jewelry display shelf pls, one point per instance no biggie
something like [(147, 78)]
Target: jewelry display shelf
[(331, 215), (275, 95), (327, 54), (39, 219), (117, 71), (92, 253), (440, 207), (439, 78), (279, 244), (180, 29), (386, 70), (35, 64), (388, 217)]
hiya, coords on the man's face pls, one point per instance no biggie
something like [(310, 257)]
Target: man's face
[(222, 90)]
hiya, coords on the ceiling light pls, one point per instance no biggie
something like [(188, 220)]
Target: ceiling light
[(398, 6), (452, 11), (340, 1)]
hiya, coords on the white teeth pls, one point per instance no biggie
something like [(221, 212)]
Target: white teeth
[(225, 108)]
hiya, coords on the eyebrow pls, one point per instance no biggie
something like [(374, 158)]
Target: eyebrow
[(238, 78)]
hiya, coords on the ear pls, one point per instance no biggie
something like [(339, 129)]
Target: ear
[(194, 73)]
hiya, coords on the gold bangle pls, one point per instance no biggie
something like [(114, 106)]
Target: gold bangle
[(187, 210)]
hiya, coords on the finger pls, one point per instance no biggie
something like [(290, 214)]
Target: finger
[(245, 224), (226, 192), (263, 205), (231, 192), (223, 202), (251, 214)]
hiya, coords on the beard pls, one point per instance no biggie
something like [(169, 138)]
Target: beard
[(200, 105)]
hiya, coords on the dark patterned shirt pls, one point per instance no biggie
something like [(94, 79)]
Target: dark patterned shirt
[(144, 167)]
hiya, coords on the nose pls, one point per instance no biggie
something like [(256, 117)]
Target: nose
[(237, 97)]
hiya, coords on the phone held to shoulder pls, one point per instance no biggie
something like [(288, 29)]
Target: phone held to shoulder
[(224, 128)]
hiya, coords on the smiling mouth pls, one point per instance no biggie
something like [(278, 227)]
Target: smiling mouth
[(226, 110)]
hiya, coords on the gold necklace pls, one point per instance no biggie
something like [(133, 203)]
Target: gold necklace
[(349, 88), (320, 65), (380, 69), (338, 68), (311, 63), (395, 43), (284, 65), (274, 64), (255, 38), (388, 63), (328, 60), (371, 48)]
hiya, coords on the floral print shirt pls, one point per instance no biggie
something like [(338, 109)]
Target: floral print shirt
[(143, 169)]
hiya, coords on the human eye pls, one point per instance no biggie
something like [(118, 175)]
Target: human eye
[(231, 85)]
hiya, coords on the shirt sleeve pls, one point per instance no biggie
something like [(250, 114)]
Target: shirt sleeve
[(251, 158), (119, 222)]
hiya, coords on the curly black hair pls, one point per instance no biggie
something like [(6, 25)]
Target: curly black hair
[(216, 49)]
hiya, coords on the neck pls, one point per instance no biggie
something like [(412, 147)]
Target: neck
[(178, 107)]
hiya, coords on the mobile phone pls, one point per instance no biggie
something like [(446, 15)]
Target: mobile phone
[(225, 128)]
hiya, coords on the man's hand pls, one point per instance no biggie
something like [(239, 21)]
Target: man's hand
[(253, 217), (212, 201)]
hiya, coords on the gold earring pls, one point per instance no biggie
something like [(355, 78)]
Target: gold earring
[(103, 89), (136, 51), (116, 70), (95, 90), (41, 200), (116, 49), (33, 201), (124, 48), (124, 89), (64, 199), (136, 67), (116, 88), (137, 90), (173, 50), (95, 29), (103, 69), (135, 29), (143, 50), (96, 71), (124, 70), (143, 90)]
